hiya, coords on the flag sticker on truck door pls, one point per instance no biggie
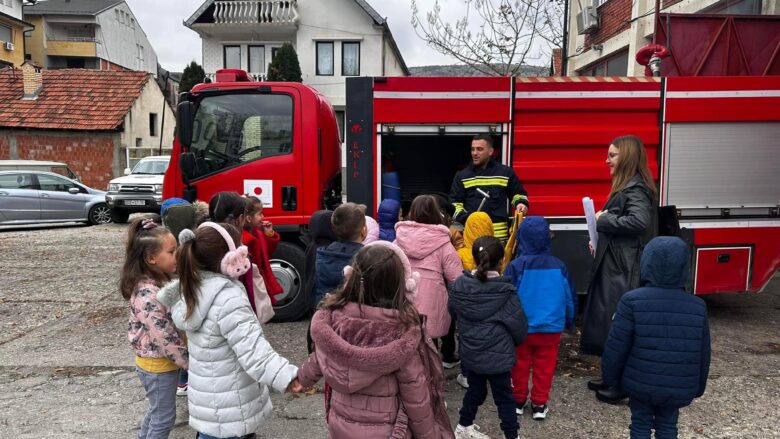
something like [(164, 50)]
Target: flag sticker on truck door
[(262, 189)]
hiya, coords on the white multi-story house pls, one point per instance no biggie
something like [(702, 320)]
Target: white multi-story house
[(334, 40), (92, 34)]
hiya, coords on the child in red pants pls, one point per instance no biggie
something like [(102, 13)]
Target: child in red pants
[(547, 295)]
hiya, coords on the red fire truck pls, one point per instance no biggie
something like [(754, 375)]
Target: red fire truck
[(713, 144)]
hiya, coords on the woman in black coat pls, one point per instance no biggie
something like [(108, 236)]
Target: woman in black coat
[(626, 224)]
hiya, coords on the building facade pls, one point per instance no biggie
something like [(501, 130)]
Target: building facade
[(98, 122), (12, 29), (605, 35), (343, 38), (91, 34)]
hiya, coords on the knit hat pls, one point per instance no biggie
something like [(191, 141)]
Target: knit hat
[(170, 202), (373, 230), (411, 278), (477, 225)]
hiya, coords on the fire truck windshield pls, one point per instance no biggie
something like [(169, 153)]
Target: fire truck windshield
[(229, 130)]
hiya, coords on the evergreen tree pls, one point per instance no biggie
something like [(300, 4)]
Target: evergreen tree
[(192, 75), (285, 66)]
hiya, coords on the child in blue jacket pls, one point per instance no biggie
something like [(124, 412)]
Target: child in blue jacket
[(658, 349), (546, 293)]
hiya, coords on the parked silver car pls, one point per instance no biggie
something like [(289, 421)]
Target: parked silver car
[(28, 197)]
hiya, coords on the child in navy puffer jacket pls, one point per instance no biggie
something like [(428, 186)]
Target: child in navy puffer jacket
[(547, 295), (387, 215), (658, 349)]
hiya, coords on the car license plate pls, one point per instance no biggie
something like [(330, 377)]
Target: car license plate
[(134, 203)]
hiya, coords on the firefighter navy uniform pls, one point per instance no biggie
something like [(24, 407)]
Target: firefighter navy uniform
[(495, 179)]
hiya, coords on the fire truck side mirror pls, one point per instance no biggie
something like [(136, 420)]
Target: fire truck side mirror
[(184, 118), (187, 165)]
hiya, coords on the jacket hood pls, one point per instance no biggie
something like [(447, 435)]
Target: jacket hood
[(373, 230), (320, 227), (366, 341), (535, 236), (480, 300), (477, 225), (387, 213), (420, 240), (332, 259), (665, 262), (211, 285)]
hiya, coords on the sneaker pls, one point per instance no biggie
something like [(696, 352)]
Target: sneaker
[(462, 381), (181, 390), (539, 412), (449, 363), (519, 409), (470, 432)]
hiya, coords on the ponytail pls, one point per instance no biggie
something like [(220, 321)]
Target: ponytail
[(488, 254), (189, 277)]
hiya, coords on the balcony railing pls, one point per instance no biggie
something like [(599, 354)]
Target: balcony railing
[(258, 77), (256, 12)]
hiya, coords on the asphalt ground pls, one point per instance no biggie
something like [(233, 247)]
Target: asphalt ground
[(66, 369)]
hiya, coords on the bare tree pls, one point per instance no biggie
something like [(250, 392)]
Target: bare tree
[(494, 36)]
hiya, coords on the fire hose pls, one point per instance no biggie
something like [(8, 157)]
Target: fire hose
[(651, 56)]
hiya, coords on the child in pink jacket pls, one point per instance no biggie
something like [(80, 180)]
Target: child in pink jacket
[(426, 241)]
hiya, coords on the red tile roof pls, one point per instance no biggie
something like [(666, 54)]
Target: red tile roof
[(71, 99)]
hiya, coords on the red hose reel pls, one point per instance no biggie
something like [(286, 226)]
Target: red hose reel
[(650, 56)]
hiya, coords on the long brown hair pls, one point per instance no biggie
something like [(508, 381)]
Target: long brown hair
[(377, 279), (252, 205), (632, 160), (227, 207), (488, 254), (141, 243), (204, 252), (425, 210)]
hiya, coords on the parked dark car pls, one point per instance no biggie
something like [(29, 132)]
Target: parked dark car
[(30, 197)]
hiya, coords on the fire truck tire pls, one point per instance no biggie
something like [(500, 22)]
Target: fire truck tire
[(119, 216), (287, 263)]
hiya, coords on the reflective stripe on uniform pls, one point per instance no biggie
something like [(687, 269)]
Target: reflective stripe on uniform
[(458, 208), (495, 180), (501, 231), (518, 198)]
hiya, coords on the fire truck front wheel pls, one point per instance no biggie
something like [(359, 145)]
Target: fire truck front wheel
[(287, 263)]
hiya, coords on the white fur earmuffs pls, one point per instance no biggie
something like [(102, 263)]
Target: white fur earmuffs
[(236, 261)]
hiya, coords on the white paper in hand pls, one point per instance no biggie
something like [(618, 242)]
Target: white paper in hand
[(590, 217)]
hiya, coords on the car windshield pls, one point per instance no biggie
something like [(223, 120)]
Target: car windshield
[(229, 130), (152, 167)]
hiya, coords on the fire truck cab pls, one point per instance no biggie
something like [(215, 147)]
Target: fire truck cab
[(276, 141)]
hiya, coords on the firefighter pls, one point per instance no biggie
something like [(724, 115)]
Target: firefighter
[(488, 184)]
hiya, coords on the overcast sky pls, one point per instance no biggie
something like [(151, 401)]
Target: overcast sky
[(177, 45)]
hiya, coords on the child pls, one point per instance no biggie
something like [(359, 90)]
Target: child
[(491, 324), (388, 213), (229, 354), (261, 241), (477, 225), (373, 354), (159, 348), (426, 242), (547, 294), (658, 349), (349, 226), (320, 235)]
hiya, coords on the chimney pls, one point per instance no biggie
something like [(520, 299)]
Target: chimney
[(32, 78)]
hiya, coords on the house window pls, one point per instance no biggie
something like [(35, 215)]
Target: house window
[(5, 34), (232, 57), (153, 124), (132, 23), (273, 53), (325, 58), (616, 65), (118, 17), (256, 59), (744, 7), (139, 142), (350, 59), (140, 57)]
